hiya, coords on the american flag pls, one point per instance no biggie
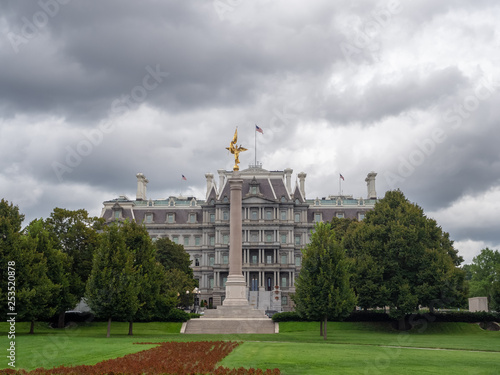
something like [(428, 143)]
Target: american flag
[(184, 178), (342, 177), (259, 129)]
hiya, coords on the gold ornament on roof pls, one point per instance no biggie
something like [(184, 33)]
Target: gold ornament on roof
[(235, 150)]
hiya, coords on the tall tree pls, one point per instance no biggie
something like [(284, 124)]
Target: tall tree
[(172, 255), (485, 276), (403, 259), (58, 265), (149, 273), (112, 287), (323, 288), (77, 235), (34, 290)]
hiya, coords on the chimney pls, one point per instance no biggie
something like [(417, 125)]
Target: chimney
[(142, 181), (222, 175), (370, 184), (210, 182), (302, 180), (288, 174)]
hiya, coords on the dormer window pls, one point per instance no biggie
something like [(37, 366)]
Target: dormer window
[(149, 218), (117, 214), (254, 187), (225, 200)]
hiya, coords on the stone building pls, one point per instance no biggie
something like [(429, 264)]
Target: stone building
[(277, 223)]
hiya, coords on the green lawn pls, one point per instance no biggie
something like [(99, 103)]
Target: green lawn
[(351, 348)]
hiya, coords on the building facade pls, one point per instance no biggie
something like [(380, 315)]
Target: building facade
[(277, 224)]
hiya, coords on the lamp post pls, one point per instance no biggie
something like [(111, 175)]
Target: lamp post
[(196, 293)]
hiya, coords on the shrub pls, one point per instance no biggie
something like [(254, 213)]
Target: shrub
[(177, 315), (288, 316)]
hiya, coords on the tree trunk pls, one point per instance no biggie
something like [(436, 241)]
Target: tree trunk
[(130, 333), (109, 328), (32, 327), (60, 322), (324, 326), (321, 327)]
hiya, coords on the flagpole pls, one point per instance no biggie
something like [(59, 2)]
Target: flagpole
[(255, 133)]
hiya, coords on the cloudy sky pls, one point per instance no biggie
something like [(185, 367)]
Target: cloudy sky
[(92, 93)]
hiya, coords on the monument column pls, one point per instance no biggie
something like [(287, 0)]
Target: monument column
[(235, 285)]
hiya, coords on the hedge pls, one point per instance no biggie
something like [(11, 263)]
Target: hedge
[(380, 316)]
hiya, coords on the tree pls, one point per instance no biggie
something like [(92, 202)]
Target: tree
[(323, 289), (76, 234), (149, 273), (112, 287), (177, 284), (403, 259), (485, 276), (58, 265), (172, 255)]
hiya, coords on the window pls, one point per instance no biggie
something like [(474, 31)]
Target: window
[(225, 259), (269, 259), (224, 281), (175, 240), (269, 237), (225, 239), (225, 200), (283, 199), (186, 241), (253, 190), (149, 218), (283, 259), (297, 240), (192, 218), (298, 260), (284, 282), (284, 300), (340, 215), (211, 240), (254, 215), (211, 282), (197, 262), (361, 216), (197, 241), (283, 215), (297, 217), (170, 218), (269, 215), (317, 217), (212, 218), (255, 259), (225, 215), (211, 260), (117, 214), (283, 238), (254, 236)]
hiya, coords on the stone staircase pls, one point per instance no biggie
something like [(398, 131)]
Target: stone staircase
[(230, 320)]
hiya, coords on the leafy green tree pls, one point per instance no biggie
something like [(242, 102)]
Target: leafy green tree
[(77, 236), (112, 287), (323, 288), (150, 273), (172, 255), (402, 259), (58, 265), (34, 289), (485, 276), (177, 284), (10, 237)]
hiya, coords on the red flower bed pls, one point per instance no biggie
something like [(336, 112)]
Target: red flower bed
[(182, 358)]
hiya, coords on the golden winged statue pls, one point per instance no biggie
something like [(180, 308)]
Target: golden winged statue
[(235, 150)]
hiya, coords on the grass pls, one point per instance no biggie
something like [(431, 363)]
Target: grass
[(351, 348)]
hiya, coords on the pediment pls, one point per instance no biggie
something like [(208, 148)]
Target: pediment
[(256, 200)]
